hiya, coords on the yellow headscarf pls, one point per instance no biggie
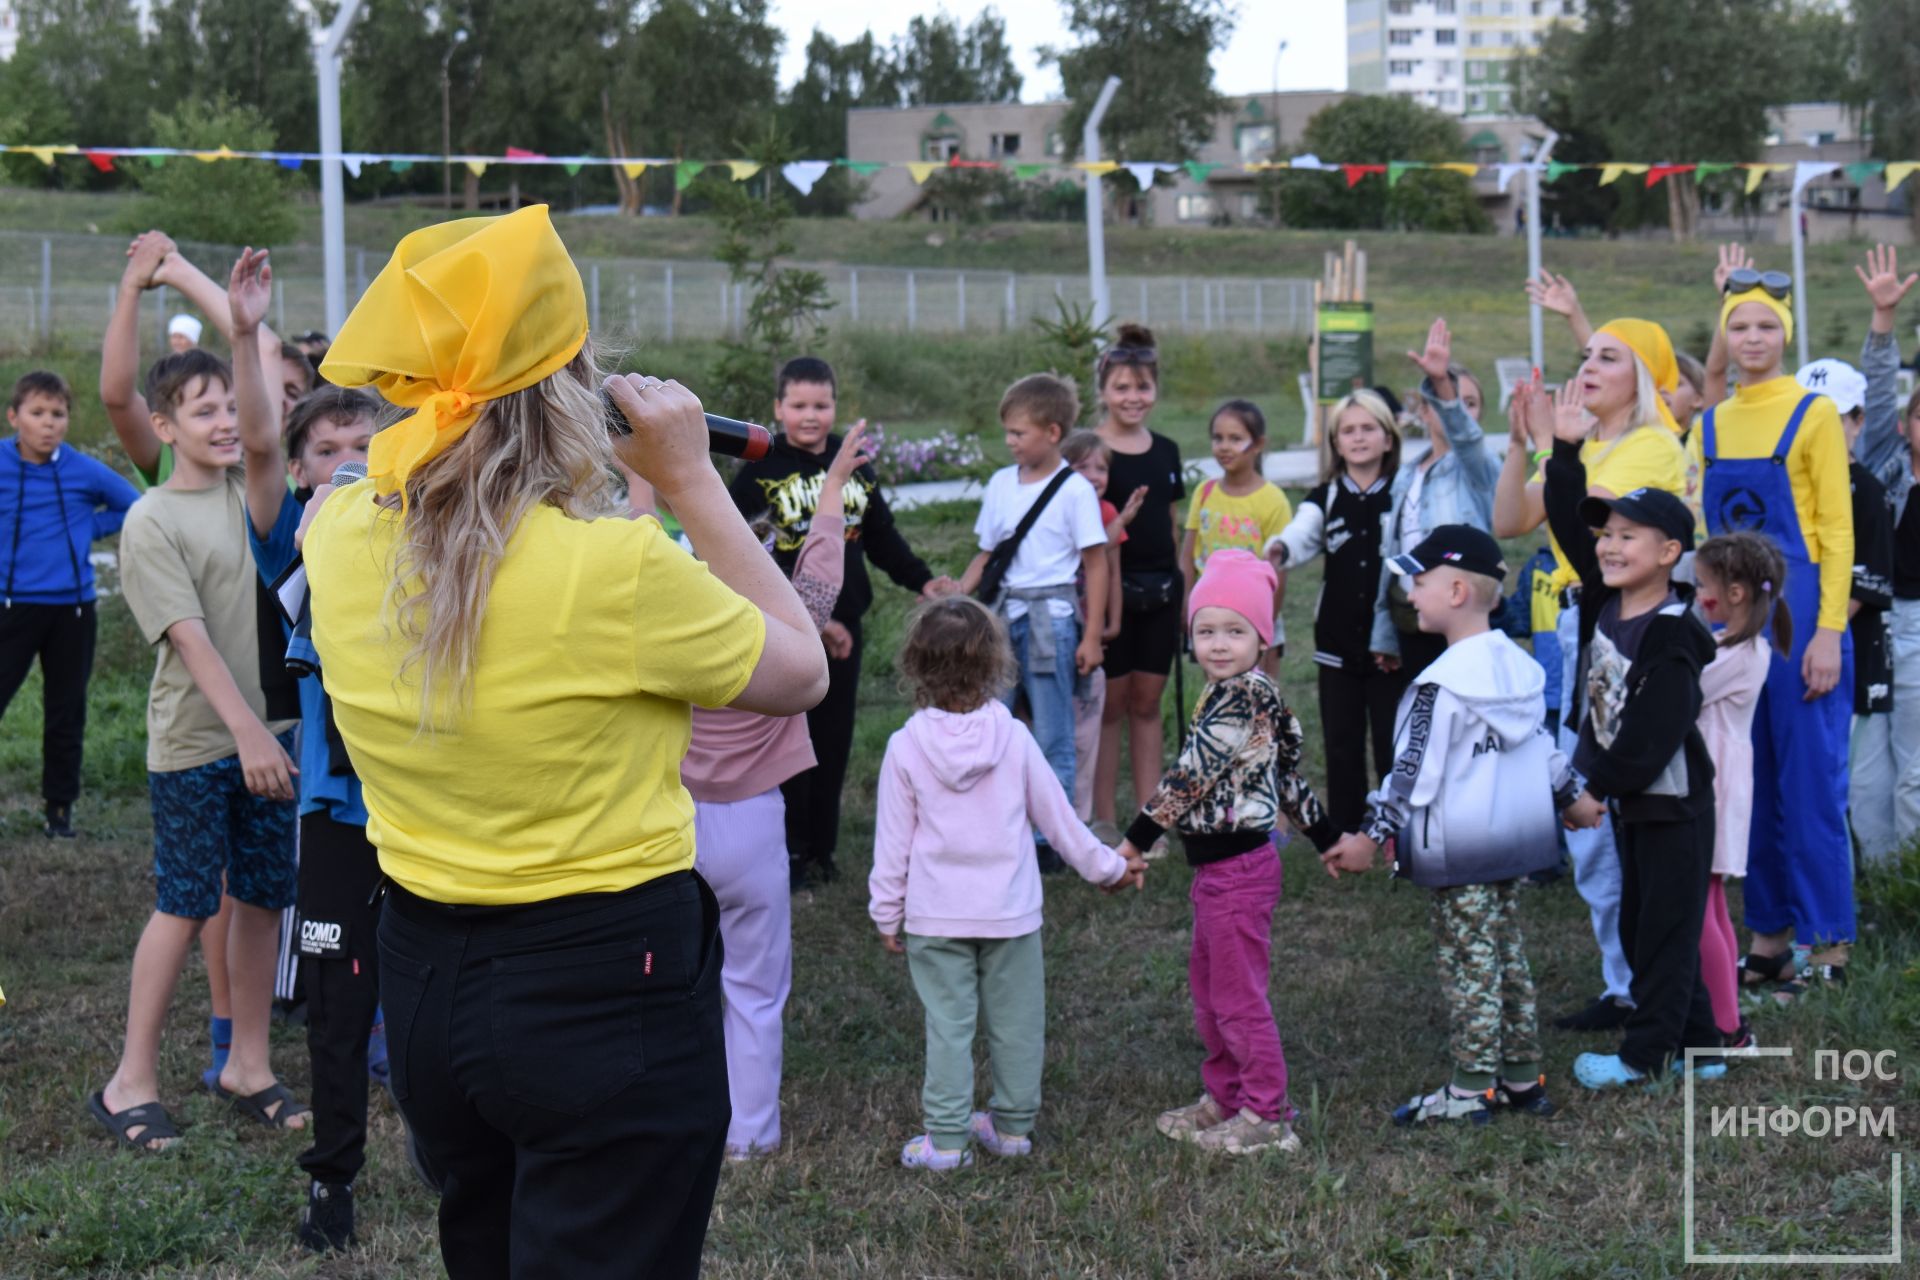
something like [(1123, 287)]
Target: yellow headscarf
[(1779, 306), (1649, 342), (464, 312)]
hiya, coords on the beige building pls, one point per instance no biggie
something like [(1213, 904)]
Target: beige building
[(1257, 128), (1452, 55)]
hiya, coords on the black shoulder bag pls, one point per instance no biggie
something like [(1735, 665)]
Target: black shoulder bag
[(1000, 559)]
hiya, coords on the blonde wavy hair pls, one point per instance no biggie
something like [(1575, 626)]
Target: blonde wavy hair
[(546, 445), (1370, 403)]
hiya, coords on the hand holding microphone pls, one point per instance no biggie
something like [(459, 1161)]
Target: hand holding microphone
[(666, 436)]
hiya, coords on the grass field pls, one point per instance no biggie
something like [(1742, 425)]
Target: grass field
[(1595, 1192)]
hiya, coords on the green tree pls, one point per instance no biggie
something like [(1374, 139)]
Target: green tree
[(226, 202), (939, 61), (1162, 50), (259, 53), (786, 306), (89, 55), (31, 112), (390, 88), (1677, 80), (1889, 66), (838, 77), (1377, 129)]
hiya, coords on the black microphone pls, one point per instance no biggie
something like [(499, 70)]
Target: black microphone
[(728, 437)]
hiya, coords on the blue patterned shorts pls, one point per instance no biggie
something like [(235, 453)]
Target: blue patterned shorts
[(207, 825)]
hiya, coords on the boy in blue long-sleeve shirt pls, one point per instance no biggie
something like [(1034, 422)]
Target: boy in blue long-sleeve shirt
[(54, 502)]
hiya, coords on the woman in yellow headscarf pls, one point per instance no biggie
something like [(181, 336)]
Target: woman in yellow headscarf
[(511, 675)]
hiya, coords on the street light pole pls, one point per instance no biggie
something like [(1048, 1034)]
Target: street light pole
[(1096, 226), (1273, 148), (333, 195), (446, 119)]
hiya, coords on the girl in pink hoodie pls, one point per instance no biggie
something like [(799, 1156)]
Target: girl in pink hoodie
[(962, 788)]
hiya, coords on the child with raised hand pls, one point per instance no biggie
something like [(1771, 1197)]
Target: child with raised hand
[(1342, 519), (54, 502), (785, 486), (1237, 773), (1641, 750), (1089, 455), (1242, 508), (962, 787), (734, 768), (1739, 578), (1471, 801)]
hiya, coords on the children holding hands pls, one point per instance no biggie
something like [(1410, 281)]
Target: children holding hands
[(955, 884)]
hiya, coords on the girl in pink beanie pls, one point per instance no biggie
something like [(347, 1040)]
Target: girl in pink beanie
[(1237, 773)]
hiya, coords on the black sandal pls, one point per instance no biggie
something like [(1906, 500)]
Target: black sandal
[(258, 1106), (150, 1117), (1765, 969), (1820, 975)]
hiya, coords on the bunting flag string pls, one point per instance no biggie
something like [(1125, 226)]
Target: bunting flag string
[(804, 175)]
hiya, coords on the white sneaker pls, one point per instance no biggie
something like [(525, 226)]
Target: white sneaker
[(993, 1140), (1247, 1133)]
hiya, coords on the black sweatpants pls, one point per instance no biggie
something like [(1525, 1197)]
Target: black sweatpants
[(1664, 870), (1355, 704), (340, 967), (61, 636), (813, 797), (564, 1069)]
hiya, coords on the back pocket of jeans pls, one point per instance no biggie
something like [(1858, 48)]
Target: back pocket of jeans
[(566, 1024), (403, 983)]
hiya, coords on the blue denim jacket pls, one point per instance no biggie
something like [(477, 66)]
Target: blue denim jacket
[(1458, 490)]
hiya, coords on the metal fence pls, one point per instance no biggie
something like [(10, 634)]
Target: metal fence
[(61, 288)]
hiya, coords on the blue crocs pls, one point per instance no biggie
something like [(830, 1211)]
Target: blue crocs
[(1703, 1069), (1605, 1071)]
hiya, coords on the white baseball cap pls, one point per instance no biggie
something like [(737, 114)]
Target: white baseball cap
[(185, 325), (1838, 381)]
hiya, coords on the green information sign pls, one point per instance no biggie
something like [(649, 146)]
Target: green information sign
[(1346, 348)]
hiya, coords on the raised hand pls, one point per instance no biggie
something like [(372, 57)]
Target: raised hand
[(1570, 413), (1538, 411), (250, 289), (1433, 361), (1553, 293), (856, 451), (1135, 501), (1881, 276), (1733, 257), (144, 255)]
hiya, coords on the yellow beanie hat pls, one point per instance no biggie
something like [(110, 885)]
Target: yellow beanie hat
[(1649, 342), (464, 312), (1779, 306)]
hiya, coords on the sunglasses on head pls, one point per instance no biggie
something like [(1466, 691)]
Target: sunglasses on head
[(1128, 355), (1745, 280)]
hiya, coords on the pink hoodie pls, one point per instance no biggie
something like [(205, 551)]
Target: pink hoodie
[(953, 852)]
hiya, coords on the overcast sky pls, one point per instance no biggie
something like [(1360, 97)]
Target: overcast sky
[(1315, 32)]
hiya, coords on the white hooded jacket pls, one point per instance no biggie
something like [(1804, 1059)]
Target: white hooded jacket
[(1477, 782)]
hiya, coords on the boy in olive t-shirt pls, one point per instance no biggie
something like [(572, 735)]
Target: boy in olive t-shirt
[(219, 716)]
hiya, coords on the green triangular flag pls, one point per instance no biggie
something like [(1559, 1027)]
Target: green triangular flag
[(1028, 172), (865, 168), (572, 167), (1557, 171), (156, 161), (685, 172), (1707, 170), (400, 166), (1861, 170), (1200, 170), (1395, 168)]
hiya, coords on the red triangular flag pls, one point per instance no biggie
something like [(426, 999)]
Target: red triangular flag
[(1355, 172), (101, 161), (1660, 171), (520, 153)]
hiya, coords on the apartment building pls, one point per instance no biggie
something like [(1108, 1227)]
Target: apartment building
[(1453, 55)]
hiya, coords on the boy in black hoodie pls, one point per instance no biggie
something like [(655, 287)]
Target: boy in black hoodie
[(785, 487), (1637, 705)]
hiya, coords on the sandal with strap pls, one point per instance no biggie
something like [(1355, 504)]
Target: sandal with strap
[(259, 1106), (1820, 975), (1757, 970), (149, 1117)]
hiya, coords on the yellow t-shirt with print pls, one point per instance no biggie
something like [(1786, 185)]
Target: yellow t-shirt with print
[(1218, 519), (1650, 457), (563, 776)]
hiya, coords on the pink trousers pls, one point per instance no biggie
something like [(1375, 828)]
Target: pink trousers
[(1720, 958), (1233, 902)]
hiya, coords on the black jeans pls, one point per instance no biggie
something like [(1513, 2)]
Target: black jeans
[(1664, 869), (1356, 703), (61, 636), (813, 797), (563, 1066), (340, 968)]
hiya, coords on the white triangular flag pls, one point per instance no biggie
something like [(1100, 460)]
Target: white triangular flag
[(804, 173), (1308, 161), (1503, 174), (1807, 170), (1145, 173), (352, 162)]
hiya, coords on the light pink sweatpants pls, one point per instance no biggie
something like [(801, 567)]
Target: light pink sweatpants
[(741, 849), (1086, 742)]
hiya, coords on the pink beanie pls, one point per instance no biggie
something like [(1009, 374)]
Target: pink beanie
[(1240, 581)]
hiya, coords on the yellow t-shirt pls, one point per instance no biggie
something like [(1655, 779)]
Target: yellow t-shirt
[(1648, 457), (564, 776), (1218, 519), (1748, 425)]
